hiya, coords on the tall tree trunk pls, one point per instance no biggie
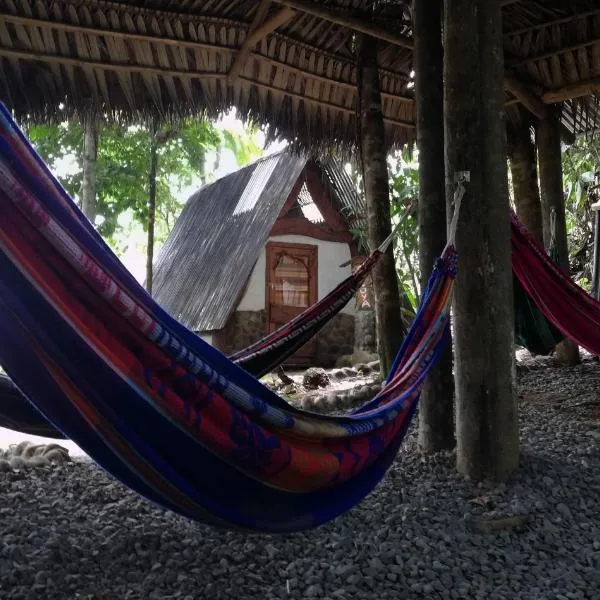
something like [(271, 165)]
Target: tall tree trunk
[(151, 205), (436, 407), (523, 168), (90, 157), (553, 201), (390, 329), (486, 411)]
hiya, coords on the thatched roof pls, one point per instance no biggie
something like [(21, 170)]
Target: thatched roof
[(552, 49), (289, 63), (201, 271)]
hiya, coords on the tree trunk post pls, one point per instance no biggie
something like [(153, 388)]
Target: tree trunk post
[(90, 157), (596, 255), (475, 141), (390, 329), (151, 205), (553, 202), (436, 407), (523, 168)]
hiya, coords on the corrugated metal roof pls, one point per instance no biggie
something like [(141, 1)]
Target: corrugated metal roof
[(209, 256)]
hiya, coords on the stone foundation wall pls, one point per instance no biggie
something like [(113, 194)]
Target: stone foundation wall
[(243, 328), (246, 327), (335, 340), (365, 337)]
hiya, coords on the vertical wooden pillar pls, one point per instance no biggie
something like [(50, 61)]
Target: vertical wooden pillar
[(151, 222), (90, 156), (486, 412), (523, 167), (596, 255), (553, 201), (436, 407), (390, 329)]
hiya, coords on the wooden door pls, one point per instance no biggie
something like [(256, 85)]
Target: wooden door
[(291, 288)]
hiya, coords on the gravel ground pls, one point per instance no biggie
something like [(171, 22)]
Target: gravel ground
[(69, 531)]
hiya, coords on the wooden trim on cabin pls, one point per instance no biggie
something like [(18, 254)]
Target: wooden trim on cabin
[(292, 196), (322, 200), (311, 252), (302, 226)]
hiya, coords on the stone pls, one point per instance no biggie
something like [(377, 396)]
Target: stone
[(307, 402), (315, 378), (495, 525), (356, 358), (333, 399), (319, 402), (335, 339)]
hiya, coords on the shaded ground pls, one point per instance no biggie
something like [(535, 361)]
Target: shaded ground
[(72, 532)]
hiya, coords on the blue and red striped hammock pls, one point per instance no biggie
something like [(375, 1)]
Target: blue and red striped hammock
[(156, 406), (17, 413)]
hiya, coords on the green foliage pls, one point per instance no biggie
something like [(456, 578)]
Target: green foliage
[(58, 144), (404, 189), (579, 165), (123, 166)]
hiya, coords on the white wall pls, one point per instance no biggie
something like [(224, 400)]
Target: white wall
[(330, 256)]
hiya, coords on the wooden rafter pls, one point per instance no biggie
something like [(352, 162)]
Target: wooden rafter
[(553, 22), (193, 45), (107, 66), (259, 29), (525, 96), (128, 68), (543, 55), (572, 90), (58, 59), (324, 12)]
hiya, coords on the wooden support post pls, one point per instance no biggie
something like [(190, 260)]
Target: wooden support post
[(596, 259), (523, 167), (90, 157), (436, 407), (390, 329), (151, 220), (486, 411), (553, 202)]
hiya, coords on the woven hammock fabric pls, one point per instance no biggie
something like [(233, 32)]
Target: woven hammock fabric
[(17, 413), (158, 407), (566, 306)]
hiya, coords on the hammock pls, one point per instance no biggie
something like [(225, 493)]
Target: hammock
[(567, 307), (17, 413), (532, 329), (155, 405)]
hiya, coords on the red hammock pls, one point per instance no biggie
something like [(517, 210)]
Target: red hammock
[(567, 306)]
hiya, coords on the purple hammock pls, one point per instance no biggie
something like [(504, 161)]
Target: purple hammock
[(18, 414)]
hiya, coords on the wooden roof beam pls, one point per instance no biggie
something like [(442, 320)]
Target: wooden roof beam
[(525, 96), (259, 29), (324, 12), (558, 52), (546, 24), (533, 103), (571, 91)]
